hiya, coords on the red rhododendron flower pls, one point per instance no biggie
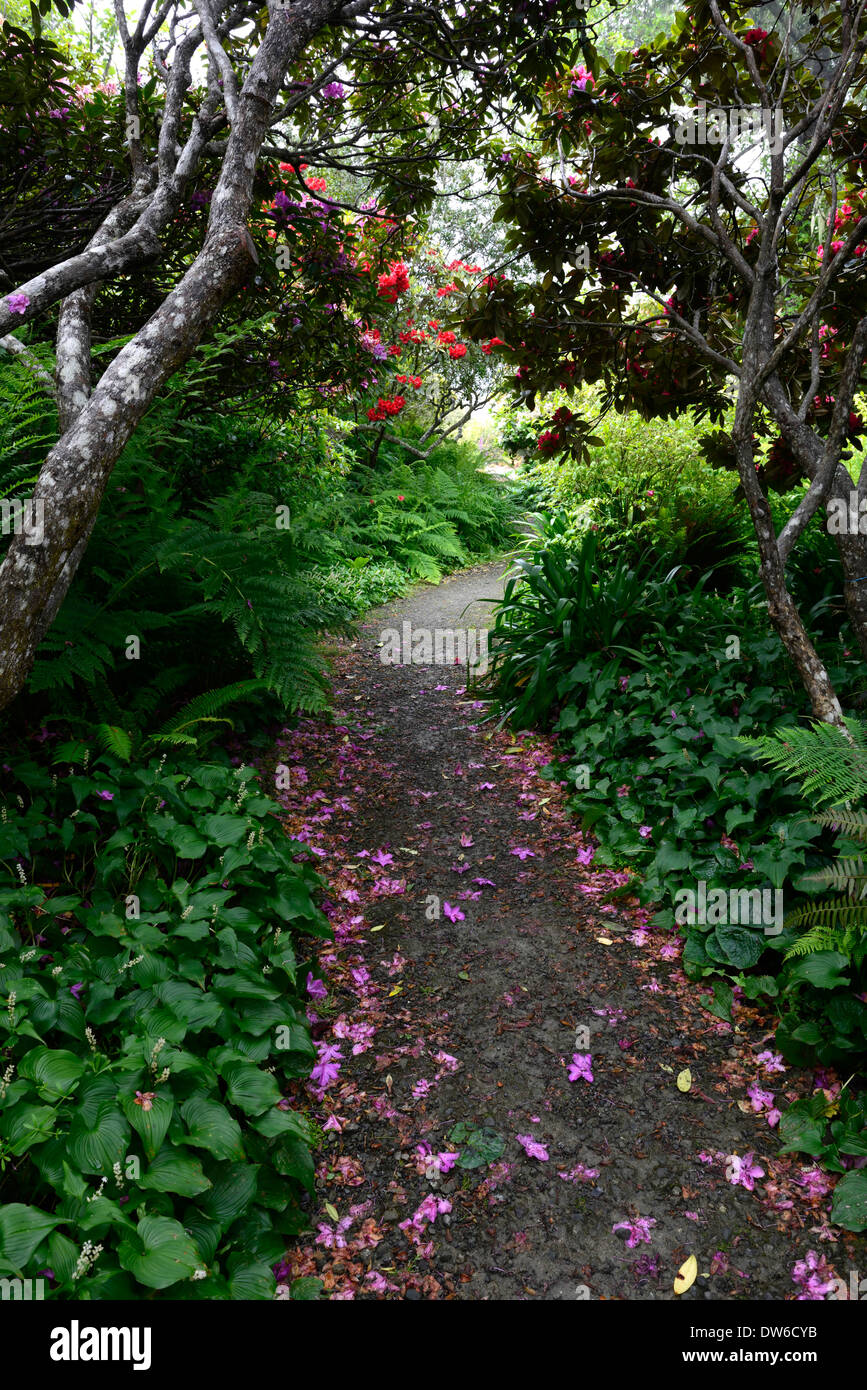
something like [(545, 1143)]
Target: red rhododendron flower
[(459, 350), (447, 337), (549, 441), (394, 283)]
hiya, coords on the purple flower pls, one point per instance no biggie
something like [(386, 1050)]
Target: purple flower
[(580, 1068), (523, 853), (639, 1230), (742, 1172), (814, 1180), (532, 1147), (105, 796), (18, 303), (814, 1277), (75, 991), (315, 988), (771, 1061), (324, 1073), (333, 92), (454, 914)]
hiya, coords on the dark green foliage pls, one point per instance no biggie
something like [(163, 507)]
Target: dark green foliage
[(154, 925)]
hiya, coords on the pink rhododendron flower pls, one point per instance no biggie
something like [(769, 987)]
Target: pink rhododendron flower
[(639, 1230), (742, 1172), (532, 1148), (814, 1277), (580, 1068)]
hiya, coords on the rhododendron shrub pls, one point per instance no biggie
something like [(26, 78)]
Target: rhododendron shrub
[(445, 373), (669, 263), (162, 217)]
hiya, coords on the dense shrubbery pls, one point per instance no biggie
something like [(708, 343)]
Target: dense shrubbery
[(155, 921), (652, 687), (154, 925), (226, 546)]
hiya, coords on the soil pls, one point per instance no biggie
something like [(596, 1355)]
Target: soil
[(408, 801)]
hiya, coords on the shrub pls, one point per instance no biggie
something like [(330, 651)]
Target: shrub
[(154, 924)]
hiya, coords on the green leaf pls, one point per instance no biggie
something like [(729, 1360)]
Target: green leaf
[(802, 1130), (293, 1159), (98, 1138), (151, 1124), (55, 1071), (225, 830), (738, 946), (249, 1088), (27, 1125), (478, 1144), (720, 1002), (232, 1192), (212, 1127), (22, 1229), (276, 1121), (306, 1289), (186, 843), (176, 1172), (849, 1207), (160, 1253), (253, 1281), (823, 969)]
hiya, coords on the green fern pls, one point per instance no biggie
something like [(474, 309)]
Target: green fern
[(831, 766), (833, 769)]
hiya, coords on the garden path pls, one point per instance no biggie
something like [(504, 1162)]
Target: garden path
[(470, 1018)]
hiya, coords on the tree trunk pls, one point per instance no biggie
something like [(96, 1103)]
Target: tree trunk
[(34, 579)]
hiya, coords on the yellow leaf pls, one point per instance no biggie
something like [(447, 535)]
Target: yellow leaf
[(397, 990), (332, 1211), (381, 927), (665, 1068), (605, 941), (684, 1081), (686, 1275)]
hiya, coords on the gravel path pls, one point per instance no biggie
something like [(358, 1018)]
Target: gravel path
[(474, 1021)]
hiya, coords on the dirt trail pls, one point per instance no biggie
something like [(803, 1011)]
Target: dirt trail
[(409, 799)]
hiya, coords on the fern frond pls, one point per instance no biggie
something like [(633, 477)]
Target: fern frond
[(831, 764), (841, 912), (204, 707), (115, 740)]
